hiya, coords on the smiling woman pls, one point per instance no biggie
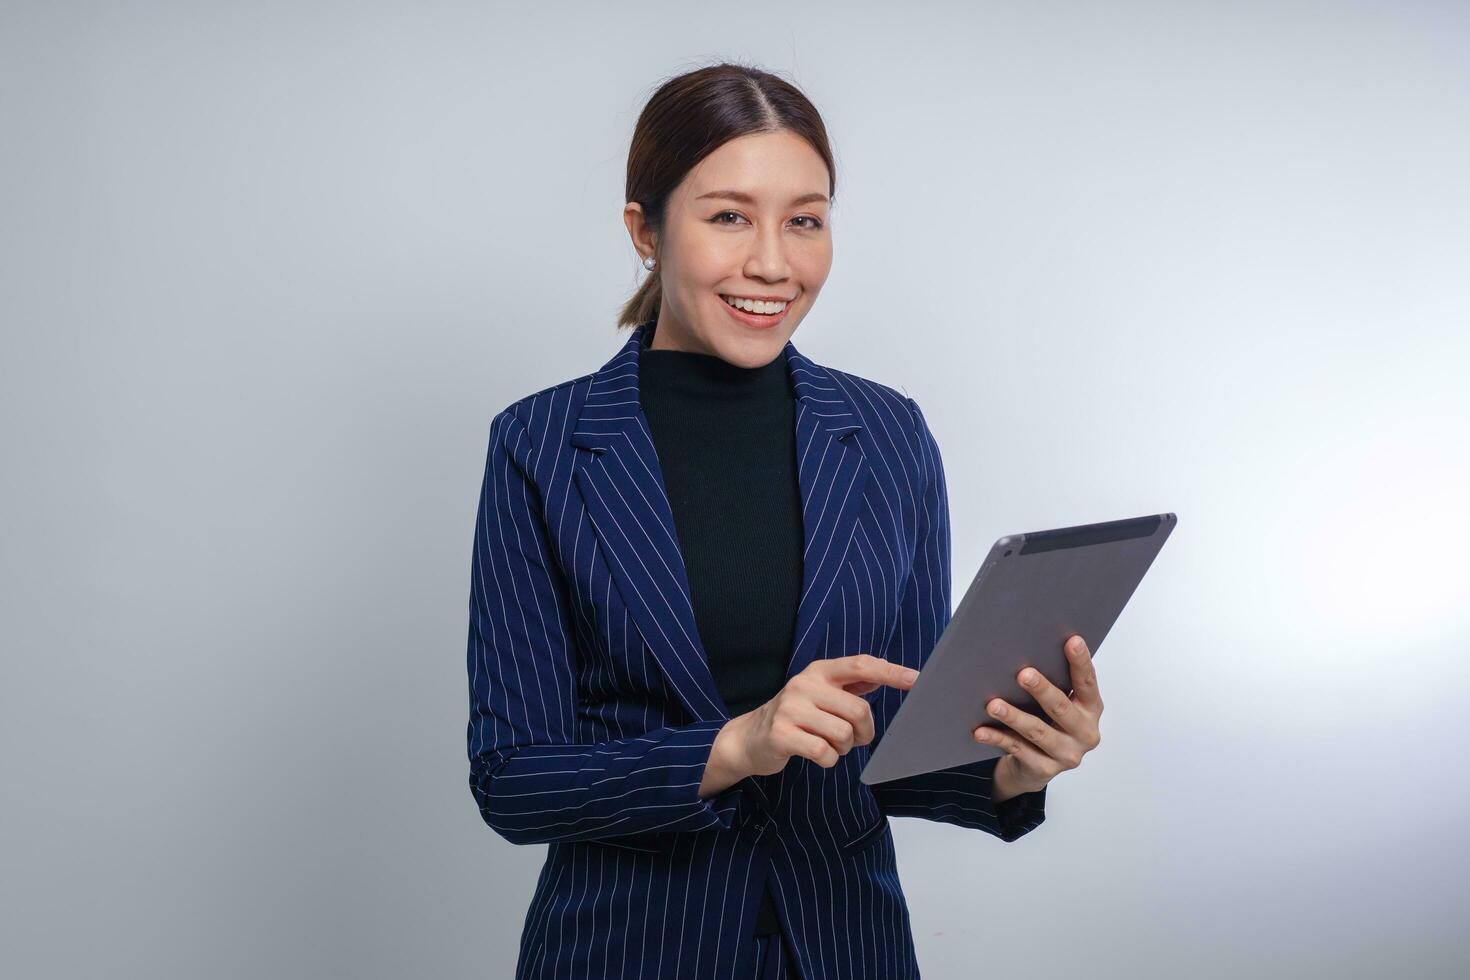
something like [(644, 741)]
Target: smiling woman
[(730, 187), (702, 577)]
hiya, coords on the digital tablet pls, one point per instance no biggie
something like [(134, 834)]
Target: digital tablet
[(1031, 594)]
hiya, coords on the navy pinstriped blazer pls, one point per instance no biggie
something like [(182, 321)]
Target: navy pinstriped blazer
[(593, 708)]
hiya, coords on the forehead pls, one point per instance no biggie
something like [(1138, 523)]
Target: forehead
[(771, 167)]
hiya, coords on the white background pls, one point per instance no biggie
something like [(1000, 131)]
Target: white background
[(268, 269)]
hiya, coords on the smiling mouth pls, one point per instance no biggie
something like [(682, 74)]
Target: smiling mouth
[(755, 307), (763, 316)]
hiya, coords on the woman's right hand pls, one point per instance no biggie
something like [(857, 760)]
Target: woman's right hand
[(819, 714)]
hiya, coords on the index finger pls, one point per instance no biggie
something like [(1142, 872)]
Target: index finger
[(873, 670), (1084, 677)]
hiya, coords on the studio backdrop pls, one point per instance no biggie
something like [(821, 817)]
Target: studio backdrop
[(268, 271)]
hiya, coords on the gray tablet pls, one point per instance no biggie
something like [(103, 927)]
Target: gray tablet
[(1032, 593)]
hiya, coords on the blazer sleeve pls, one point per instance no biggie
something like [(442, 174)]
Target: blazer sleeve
[(533, 780), (959, 795)]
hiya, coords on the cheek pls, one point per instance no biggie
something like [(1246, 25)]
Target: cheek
[(707, 257), (815, 264), (689, 262)]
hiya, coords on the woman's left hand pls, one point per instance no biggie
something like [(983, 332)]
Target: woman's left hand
[(1037, 751)]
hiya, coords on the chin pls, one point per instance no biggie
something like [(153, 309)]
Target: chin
[(754, 350)]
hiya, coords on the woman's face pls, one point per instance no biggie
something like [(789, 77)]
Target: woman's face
[(751, 220)]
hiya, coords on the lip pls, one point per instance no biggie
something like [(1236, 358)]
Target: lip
[(756, 321)]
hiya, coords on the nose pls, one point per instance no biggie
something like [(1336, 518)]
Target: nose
[(767, 259)]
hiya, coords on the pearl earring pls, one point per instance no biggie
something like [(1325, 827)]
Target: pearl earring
[(649, 262)]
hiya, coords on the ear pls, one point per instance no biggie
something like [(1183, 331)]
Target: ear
[(644, 240)]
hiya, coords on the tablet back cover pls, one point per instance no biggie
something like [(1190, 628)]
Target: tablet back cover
[(1032, 592)]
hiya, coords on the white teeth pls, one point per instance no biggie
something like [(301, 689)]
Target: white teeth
[(754, 305)]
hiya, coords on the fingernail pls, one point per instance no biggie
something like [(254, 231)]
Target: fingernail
[(982, 734), (1029, 678), (910, 674)]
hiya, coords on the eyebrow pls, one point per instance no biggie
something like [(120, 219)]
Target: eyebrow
[(745, 198)]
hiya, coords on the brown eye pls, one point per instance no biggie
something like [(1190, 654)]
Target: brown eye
[(815, 222)]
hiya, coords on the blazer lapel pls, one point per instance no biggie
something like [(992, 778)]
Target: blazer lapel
[(832, 471), (622, 486)]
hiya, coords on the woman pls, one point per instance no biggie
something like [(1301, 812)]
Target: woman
[(703, 575)]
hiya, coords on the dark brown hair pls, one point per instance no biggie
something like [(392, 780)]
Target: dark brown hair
[(691, 116)]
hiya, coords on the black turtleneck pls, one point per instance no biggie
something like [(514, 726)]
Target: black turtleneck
[(726, 442)]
